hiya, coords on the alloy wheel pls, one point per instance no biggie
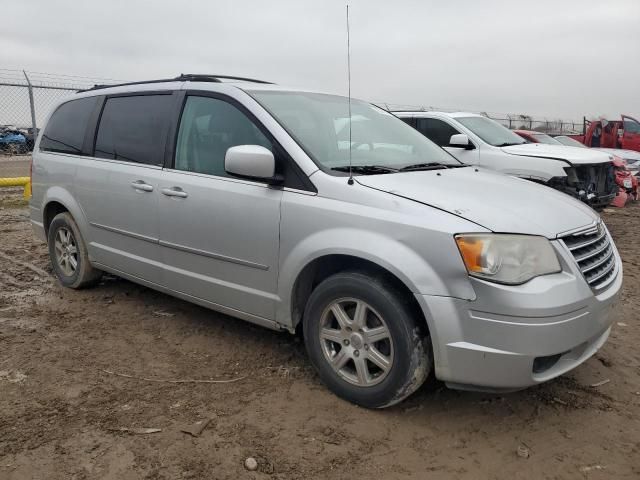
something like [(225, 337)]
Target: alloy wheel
[(356, 342)]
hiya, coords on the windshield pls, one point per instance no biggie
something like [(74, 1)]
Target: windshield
[(544, 138), (320, 125), (569, 142), (491, 132)]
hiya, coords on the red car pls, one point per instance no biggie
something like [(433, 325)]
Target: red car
[(627, 183), (532, 136), (623, 133)]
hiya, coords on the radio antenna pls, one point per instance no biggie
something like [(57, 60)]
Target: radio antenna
[(350, 181)]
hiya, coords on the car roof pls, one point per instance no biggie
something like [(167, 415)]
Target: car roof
[(197, 82)]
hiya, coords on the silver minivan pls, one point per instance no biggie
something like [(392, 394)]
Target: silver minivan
[(302, 211)]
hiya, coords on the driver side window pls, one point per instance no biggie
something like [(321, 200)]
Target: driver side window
[(438, 131), (208, 128)]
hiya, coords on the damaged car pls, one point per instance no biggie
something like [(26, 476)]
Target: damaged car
[(473, 139)]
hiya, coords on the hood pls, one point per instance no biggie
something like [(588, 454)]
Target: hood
[(497, 202), (628, 155), (573, 155)]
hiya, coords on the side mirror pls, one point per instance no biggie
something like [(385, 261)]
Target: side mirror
[(460, 140), (252, 162)]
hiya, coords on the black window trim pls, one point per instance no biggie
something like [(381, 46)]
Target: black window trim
[(282, 154), (100, 110)]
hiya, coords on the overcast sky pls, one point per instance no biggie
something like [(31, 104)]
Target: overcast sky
[(561, 58)]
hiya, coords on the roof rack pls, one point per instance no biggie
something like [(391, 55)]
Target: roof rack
[(183, 77), (197, 77)]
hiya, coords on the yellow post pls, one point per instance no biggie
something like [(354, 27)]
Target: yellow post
[(18, 182)]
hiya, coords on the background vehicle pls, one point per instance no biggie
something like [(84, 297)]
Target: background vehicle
[(627, 184), (626, 166), (477, 140), (623, 133), (30, 135), (532, 136), (12, 142), (243, 197)]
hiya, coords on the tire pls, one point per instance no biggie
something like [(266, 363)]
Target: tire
[(383, 358), (68, 254)]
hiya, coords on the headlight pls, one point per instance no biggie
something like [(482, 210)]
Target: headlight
[(510, 259)]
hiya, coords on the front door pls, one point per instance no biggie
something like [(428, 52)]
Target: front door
[(219, 235), (630, 134), (440, 132)]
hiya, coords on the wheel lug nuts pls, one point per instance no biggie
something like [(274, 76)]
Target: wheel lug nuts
[(366, 347), (356, 353), (346, 342)]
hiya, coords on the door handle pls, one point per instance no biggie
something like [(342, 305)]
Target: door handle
[(142, 186), (174, 192)]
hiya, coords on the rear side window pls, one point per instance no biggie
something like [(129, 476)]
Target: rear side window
[(66, 127), (437, 131), (134, 129)]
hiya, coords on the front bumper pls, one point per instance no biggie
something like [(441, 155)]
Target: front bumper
[(512, 337)]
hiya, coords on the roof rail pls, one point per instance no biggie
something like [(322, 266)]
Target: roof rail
[(197, 77), (183, 77)]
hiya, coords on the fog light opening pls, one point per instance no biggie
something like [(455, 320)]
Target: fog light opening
[(542, 364)]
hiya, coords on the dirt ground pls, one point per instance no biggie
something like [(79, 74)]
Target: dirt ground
[(68, 412)]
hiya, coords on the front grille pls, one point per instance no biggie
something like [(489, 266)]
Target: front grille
[(593, 252)]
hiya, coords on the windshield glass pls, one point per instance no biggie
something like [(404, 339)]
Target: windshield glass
[(320, 125), (491, 132), (544, 138), (569, 142)]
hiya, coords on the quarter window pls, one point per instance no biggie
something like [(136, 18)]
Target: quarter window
[(208, 128), (437, 131), (66, 128), (134, 129)]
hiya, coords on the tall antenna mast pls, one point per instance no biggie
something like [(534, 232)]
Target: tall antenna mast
[(350, 181)]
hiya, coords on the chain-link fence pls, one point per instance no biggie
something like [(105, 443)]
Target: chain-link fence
[(25, 100), (511, 121), (525, 122)]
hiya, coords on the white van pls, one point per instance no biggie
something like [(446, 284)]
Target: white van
[(477, 140)]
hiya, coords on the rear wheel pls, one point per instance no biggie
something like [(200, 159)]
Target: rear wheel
[(68, 254), (365, 341)]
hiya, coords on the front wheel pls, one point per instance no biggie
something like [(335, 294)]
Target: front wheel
[(364, 340)]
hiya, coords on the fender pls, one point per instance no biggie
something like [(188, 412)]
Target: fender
[(64, 197), (406, 264)]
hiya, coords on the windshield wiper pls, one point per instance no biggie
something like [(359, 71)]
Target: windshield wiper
[(508, 144), (426, 166), (366, 169)]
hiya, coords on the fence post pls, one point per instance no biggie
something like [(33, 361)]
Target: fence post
[(31, 104)]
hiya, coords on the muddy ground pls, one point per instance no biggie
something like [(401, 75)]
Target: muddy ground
[(67, 413)]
